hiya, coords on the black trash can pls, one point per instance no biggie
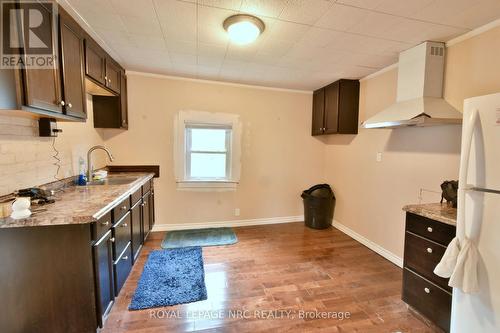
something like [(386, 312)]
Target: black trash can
[(319, 204)]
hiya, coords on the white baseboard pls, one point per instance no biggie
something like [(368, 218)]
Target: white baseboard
[(234, 223), (398, 261)]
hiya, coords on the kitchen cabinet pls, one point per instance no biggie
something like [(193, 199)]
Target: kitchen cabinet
[(425, 243), (335, 108), (137, 239), (104, 278), (72, 66), (123, 102), (122, 267), (113, 76), (146, 215), (95, 61)]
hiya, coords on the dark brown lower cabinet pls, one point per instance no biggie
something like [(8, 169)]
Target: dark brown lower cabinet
[(136, 215), (122, 267), (425, 243), (146, 215), (103, 268)]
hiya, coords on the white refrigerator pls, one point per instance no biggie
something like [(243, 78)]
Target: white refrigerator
[(479, 214)]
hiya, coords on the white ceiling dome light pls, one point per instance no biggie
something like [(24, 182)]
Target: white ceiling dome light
[(243, 29)]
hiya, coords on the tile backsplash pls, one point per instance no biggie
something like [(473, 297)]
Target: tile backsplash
[(27, 159)]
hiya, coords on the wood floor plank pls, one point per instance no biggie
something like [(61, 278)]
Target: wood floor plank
[(281, 278)]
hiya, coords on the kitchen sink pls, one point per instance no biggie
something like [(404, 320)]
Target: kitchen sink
[(113, 181)]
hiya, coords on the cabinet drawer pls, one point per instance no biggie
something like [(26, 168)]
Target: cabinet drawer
[(422, 256), (101, 226), (122, 267), (122, 234), (121, 209), (439, 232), (136, 196), (146, 187), (427, 298)]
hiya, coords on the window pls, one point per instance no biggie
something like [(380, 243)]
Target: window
[(207, 150)]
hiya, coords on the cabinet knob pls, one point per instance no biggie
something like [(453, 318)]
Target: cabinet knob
[(109, 80), (70, 105), (62, 103), (106, 78), (123, 207), (105, 223), (427, 290), (429, 229), (124, 225), (429, 250), (125, 258), (124, 122), (112, 239), (142, 204)]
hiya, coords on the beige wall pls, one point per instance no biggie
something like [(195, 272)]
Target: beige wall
[(279, 157), (26, 159), (370, 194)]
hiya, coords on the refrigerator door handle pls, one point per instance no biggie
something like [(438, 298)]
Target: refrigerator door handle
[(470, 125)]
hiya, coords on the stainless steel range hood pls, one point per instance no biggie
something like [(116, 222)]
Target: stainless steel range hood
[(419, 99)]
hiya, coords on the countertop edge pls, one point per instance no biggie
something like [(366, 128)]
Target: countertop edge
[(432, 211)]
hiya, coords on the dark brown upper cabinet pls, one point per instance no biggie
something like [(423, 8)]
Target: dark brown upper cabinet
[(111, 111), (42, 88), (336, 108), (72, 69), (113, 76), (95, 61)]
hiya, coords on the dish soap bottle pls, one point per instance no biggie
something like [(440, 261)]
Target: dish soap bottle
[(82, 180)]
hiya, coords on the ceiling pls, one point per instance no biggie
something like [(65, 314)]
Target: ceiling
[(306, 43)]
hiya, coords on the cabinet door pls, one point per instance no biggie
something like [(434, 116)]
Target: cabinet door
[(123, 101), (152, 206), (42, 87), (146, 224), (72, 66), (348, 106), (103, 267), (318, 112), (113, 76), (95, 60), (136, 229), (332, 108)]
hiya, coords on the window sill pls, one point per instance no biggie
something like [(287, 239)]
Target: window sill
[(196, 185)]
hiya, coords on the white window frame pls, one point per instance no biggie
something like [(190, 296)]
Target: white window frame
[(186, 119)]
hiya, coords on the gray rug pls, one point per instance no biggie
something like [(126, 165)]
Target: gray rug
[(199, 237)]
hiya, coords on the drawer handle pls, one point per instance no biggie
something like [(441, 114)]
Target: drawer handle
[(105, 223), (112, 239), (125, 258), (429, 250), (142, 204), (124, 225), (429, 229), (427, 290), (123, 207)]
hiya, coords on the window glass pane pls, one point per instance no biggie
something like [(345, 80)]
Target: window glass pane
[(208, 139), (208, 165)]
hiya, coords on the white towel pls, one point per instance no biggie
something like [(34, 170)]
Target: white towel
[(459, 263), (448, 262)]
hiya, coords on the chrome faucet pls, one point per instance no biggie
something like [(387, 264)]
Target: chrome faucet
[(90, 167)]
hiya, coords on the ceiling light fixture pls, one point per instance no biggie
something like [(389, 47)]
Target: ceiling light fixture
[(242, 28)]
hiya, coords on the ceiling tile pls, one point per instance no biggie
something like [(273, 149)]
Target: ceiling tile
[(269, 8), (177, 18), (320, 37), (402, 8), (368, 4), (340, 17), (142, 26), (375, 24), (305, 11), (286, 31), (225, 4), (143, 9)]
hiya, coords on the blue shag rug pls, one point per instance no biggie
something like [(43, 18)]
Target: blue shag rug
[(171, 277), (199, 237)]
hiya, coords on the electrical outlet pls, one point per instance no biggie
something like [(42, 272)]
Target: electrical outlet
[(236, 212), (379, 156)]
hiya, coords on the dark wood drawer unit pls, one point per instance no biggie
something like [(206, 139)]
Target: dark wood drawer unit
[(122, 267), (427, 298), (121, 234), (121, 209), (438, 232), (422, 256), (136, 229), (425, 244), (136, 196), (104, 279), (100, 227)]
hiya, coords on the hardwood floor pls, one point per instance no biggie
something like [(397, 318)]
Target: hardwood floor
[(281, 270)]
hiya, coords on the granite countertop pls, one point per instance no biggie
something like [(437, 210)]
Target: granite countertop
[(441, 212), (81, 204)]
